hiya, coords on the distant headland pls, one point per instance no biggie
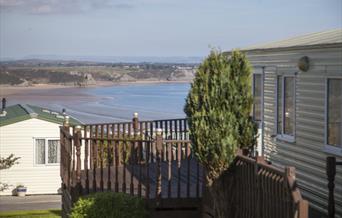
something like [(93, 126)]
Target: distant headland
[(79, 73)]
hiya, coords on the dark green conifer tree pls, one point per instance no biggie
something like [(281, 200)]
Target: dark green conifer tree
[(218, 107)]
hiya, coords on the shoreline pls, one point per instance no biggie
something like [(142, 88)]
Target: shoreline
[(6, 90)]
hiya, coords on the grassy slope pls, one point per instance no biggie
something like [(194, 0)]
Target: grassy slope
[(32, 214)]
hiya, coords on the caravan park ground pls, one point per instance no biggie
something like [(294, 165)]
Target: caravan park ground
[(27, 203)]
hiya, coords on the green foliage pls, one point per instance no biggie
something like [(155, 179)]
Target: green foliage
[(32, 214), (218, 106), (6, 163), (106, 156), (6, 78), (109, 204), (124, 149)]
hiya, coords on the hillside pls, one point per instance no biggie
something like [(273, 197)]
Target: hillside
[(82, 73)]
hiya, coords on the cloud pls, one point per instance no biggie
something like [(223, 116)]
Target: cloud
[(62, 6)]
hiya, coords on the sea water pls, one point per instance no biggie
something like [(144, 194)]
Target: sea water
[(112, 103), (150, 101)]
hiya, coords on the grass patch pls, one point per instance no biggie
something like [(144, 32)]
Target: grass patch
[(32, 214)]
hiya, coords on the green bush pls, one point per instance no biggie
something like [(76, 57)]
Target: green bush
[(109, 204)]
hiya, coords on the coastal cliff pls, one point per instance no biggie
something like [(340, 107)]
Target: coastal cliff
[(76, 73)]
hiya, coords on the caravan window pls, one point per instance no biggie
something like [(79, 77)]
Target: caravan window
[(289, 107), (334, 113), (285, 107), (40, 151), (47, 151), (257, 94), (279, 104)]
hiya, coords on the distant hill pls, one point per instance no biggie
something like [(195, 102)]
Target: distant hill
[(116, 59), (82, 73)]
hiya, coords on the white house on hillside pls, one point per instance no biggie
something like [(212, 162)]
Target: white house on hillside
[(31, 133)]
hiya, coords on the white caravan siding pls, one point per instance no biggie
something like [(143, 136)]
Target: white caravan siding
[(18, 139), (306, 153)]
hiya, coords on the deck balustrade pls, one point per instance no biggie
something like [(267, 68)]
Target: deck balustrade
[(154, 160)]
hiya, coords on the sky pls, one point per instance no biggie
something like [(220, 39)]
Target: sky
[(155, 27)]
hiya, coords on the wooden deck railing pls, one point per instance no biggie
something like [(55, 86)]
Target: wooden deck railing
[(261, 190), (154, 160), (138, 158)]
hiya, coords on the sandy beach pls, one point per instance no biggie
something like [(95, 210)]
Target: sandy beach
[(6, 90)]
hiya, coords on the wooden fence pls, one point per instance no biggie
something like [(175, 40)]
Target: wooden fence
[(154, 160), (149, 159), (260, 190)]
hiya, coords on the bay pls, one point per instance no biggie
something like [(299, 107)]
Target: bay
[(113, 103)]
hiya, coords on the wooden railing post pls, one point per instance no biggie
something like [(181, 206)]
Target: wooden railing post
[(290, 172), (159, 145), (138, 151), (86, 156), (66, 121), (290, 177), (259, 201), (77, 144), (331, 172), (63, 151), (135, 122), (303, 208)]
